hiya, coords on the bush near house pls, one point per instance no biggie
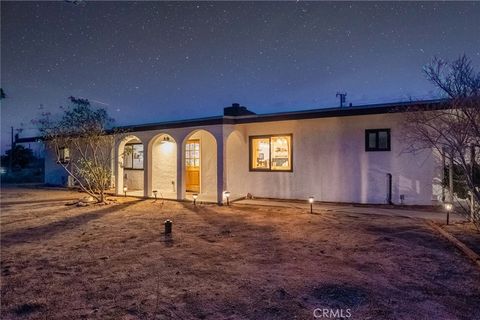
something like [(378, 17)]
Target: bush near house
[(26, 167)]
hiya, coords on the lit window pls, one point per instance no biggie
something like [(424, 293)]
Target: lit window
[(271, 153), (377, 140), (192, 153), (133, 156), (64, 155)]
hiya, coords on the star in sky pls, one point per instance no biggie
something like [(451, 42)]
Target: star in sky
[(157, 61)]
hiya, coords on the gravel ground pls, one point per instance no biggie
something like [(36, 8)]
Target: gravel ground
[(238, 262)]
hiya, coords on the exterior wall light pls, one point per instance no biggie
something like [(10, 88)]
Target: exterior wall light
[(448, 207), (165, 139), (155, 194), (227, 195), (195, 196), (125, 191), (311, 200)]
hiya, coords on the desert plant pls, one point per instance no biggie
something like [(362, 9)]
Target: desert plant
[(451, 127), (83, 141)]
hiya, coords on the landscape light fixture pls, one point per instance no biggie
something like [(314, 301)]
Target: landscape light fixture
[(310, 200), (168, 227), (125, 191), (195, 196), (227, 195), (155, 194), (448, 207)]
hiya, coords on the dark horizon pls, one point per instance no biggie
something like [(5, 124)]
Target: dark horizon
[(163, 61)]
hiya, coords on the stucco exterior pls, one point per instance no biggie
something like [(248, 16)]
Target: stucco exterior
[(330, 162)]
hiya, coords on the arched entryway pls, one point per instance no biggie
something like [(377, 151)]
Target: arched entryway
[(237, 164), (164, 166), (130, 167), (200, 166)]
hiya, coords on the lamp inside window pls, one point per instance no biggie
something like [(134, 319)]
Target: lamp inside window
[(271, 153), (64, 155)]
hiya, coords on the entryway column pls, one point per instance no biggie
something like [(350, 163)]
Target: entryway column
[(221, 181), (180, 170), (147, 170), (118, 172)]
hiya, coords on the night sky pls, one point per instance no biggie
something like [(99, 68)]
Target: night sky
[(158, 61)]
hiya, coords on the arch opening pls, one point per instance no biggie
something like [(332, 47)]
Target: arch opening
[(164, 166), (199, 166), (237, 162), (130, 167)]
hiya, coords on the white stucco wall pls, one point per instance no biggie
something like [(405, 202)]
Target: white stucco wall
[(331, 164), (54, 172), (133, 179), (164, 168)]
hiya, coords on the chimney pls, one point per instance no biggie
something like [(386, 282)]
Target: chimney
[(237, 110)]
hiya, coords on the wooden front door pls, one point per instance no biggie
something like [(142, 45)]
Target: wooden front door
[(192, 165)]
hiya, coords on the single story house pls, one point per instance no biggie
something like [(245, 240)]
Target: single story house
[(351, 154)]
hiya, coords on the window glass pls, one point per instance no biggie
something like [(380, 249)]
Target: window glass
[(372, 140), (192, 153), (137, 156), (382, 140), (271, 153), (127, 156), (280, 147), (377, 140), (64, 155), (261, 153)]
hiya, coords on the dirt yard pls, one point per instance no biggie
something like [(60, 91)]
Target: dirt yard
[(237, 262)]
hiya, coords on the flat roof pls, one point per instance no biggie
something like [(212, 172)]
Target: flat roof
[(368, 109)]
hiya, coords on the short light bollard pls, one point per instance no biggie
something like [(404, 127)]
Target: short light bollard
[(227, 195), (311, 200), (448, 208), (168, 227)]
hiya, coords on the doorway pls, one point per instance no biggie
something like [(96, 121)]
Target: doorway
[(192, 166)]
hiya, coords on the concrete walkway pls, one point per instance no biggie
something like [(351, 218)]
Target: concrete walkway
[(351, 208)]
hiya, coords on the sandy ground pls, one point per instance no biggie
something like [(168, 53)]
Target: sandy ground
[(466, 233), (238, 262)]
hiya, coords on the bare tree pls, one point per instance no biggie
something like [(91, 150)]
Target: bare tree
[(451, 127), (83, 144)]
